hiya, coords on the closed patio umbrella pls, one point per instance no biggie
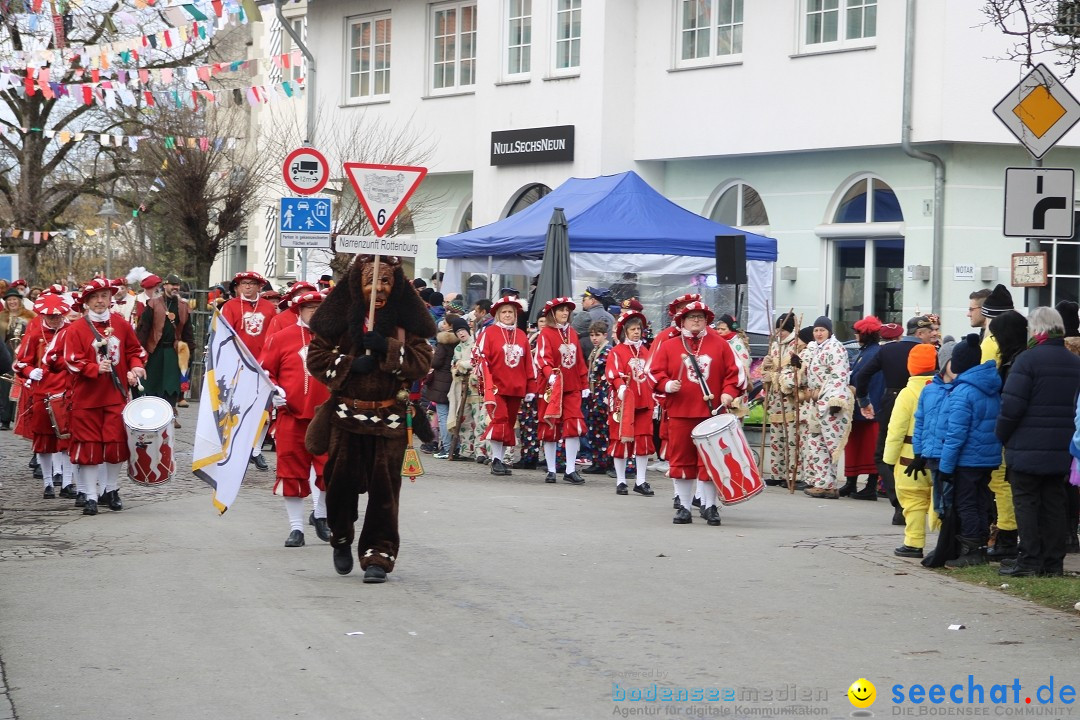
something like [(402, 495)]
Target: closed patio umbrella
[(555, 279)]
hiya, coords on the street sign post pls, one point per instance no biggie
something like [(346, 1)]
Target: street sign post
[(305, 171), (383, 190), (1039, 202), (305, 222), (1039, 111)]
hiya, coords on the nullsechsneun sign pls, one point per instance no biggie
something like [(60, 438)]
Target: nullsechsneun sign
[(532, 145)]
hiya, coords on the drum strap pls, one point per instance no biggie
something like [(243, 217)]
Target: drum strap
[(112, 371), (705, 394)]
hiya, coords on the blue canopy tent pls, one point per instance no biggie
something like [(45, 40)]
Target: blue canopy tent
[(618, 224)]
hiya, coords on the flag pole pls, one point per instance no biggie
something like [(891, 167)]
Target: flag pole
[(371, 300)]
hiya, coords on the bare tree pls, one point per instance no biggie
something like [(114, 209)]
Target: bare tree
[(354, 136), (1041, 30)]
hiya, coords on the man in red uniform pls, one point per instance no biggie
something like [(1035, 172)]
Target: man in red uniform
[(297, 396), (680, 367), (564, 381), (31, 364), (249, 316), (630, 408), (287, 309), (508, 373), (101, 350)]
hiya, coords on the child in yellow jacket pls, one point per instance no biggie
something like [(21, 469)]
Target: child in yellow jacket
[(914, 491)]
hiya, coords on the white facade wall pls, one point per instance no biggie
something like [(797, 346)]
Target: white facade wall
[(796, 125)]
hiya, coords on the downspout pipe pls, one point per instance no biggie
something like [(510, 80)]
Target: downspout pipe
[(938, 272), (309, 124)]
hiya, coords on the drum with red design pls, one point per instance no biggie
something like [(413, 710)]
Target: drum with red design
[(723, 450), (57, 407), (149, 431)]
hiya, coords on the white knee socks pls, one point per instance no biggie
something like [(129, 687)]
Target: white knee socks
[(112, 476), (46, 462), (685, 490), (572, 446), (320, 505), (551, 451), (708, 493), (642, 463), (497, 449), (620, 471), (294, 506), (315, 491)]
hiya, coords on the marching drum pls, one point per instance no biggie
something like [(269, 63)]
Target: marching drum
[(724, 452), (57, 408), (148, 421)]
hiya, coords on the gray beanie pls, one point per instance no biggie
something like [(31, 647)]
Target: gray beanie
[(944, 354)]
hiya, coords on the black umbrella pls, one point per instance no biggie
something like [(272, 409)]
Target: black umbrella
[(555, 279)]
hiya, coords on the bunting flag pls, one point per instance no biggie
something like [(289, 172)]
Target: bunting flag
[(147, 76), (233, 413)]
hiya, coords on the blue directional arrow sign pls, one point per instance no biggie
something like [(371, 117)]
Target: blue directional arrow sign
[(304, 222)]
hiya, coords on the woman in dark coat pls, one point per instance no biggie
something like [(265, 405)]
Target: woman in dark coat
[(439, 380), (862, 442), (1070, 316), (1036, 426)]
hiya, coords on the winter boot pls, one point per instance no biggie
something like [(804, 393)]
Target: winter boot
[(850, 486), (972, 553), (1006, 546)]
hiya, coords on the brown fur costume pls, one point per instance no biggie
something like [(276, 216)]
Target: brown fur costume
[(362, 426)]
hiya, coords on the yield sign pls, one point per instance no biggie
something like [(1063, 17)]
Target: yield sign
[(383, 190)]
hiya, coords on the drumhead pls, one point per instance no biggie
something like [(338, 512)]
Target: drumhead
[(713, 425), (147, 413)]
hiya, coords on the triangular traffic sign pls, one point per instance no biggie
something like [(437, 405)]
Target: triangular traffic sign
[(383, 190)]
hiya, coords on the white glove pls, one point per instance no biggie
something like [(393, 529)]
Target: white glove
[(529, 397), (551, 380), (37, 374), (585, 393), (672, 386), (622, 391), (278, 396)]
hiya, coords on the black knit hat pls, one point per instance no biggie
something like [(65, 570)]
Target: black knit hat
[(459, 324), (731, 322), (807, 335), (998, 302), (1070, 317), (786, 322), (967, 354), (823, 322)]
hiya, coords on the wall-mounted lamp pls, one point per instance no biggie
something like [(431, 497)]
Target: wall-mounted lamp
[(988, 274), (921, 272), (789, 272)]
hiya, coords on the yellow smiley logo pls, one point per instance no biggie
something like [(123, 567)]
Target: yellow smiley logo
[(862, 693)]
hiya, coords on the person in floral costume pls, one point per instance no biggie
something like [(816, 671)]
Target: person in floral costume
[(465, 387), (596, 405), (830, 405), (780, 379)]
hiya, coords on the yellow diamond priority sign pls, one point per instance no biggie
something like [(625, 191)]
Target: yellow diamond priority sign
[(1039, 111)]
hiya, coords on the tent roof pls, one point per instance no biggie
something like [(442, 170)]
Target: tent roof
[(610, 213)]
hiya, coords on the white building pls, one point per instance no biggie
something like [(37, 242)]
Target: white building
[(780, 116)]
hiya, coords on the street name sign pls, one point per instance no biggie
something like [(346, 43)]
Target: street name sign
[(383, 190), (305, 222), (1039, 110), (1039, 202), (400, 245)]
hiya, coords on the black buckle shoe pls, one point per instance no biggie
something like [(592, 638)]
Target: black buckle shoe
[(908, 552), (374, 574), (1017, 571), (696, 502), (295, 539), (90, 508), (259, 461), (867, 493), (68, 491), (114, 501), (644, 489), (682, 517), (573, 478), (80, 500), (594, 469), (322, 529), (550, 478), (343, 561), (620, 489), (49, 493), (38, 475), (712, 516), (676, 503), (498, 467)]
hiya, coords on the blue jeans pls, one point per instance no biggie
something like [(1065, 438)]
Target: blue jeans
[(443, 411)]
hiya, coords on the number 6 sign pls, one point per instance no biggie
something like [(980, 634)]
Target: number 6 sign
[(383, 190)]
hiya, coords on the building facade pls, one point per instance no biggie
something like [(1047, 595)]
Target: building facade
[(784, 117)]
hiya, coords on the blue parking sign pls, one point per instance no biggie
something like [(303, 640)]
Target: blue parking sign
[(305, 222)]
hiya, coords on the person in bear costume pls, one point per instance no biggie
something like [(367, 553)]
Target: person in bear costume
[(362, 427)]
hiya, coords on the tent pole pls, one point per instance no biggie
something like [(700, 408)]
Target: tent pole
[(490, 278)]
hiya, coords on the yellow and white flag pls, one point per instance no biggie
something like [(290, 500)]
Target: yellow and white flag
[(233, 413)]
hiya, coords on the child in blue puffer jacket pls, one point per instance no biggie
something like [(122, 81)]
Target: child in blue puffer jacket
[(929, 424), (970, 450)]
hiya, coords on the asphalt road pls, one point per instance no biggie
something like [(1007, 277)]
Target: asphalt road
[(512, 598)]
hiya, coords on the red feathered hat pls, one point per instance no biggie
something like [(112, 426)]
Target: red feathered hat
[(297, 288), (696, 306), (249, 275), (868, 325), (101, 284), (550, 305), (150, 281), (507, 300), (625, 317), (51, 304), (687, 298), (55, 289), (308, 298)]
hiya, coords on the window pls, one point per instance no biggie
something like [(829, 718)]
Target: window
[(296, 71), (831, 24), (567, 35), (709, 31), (1062, 270), (518, 37), (369, 58), (524, 198), (740, 206), (290, 264), (453, 49)]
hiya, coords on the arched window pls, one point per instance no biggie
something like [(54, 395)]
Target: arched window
[(739, 205), (526, 197), (466, 220), (853, 207)]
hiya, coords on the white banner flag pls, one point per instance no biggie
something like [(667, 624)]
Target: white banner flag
[(233, 413)]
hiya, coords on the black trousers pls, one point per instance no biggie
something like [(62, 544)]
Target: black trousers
[(1040, 516), (882, 415), (972, 497)]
